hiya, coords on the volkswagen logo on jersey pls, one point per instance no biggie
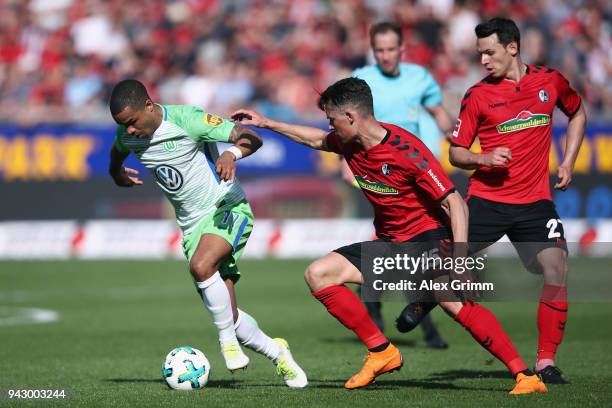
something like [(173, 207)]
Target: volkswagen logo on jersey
[(386, 170), (169, 177), (543, 95)]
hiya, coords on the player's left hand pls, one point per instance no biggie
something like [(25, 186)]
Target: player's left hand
[(126, 177), (564, 173), (249, 117), (226, 166)]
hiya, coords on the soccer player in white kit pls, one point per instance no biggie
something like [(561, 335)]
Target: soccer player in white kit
[(176, 143)]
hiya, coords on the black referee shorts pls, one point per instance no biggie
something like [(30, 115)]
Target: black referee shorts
[(531, 227)]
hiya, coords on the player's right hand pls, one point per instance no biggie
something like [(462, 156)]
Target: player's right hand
[(500, 156), (249, 118), (123, 178)]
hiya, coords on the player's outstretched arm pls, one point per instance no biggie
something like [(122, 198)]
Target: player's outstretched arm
[(123, 176), (575, 135), (308, 136), (454, 205), (458, 212), (465, 159)]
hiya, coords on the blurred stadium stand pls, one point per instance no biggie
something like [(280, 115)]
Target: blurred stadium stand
[(60, 58)]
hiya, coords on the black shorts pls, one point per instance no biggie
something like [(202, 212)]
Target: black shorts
[(439, 239), (531, 227), (426, 247)]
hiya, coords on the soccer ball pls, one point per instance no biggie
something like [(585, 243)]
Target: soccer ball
[(186, 368)]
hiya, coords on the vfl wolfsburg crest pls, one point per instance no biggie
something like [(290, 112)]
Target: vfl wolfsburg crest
[(375, 186), (524, 120), (170, 145)]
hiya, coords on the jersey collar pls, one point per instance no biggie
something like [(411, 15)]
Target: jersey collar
[(490, 80), (386, 136), (164, 110), (382, 142)]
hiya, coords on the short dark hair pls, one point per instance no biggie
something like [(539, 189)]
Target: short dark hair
[(383, 27), (129, 92), (353, 92), (506, 31)]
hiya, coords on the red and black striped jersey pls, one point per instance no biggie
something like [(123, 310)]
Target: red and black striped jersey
[(403, 181), (517, 115)]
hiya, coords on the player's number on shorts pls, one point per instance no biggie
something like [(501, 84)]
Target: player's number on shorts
[(552, 225)]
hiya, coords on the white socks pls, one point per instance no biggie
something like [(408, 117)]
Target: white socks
[(217, 300), (250, 335)]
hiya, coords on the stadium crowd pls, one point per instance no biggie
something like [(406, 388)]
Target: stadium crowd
[(59, 59)]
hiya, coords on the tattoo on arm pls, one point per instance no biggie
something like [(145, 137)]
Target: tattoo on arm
[(249, 141), (245, 138)]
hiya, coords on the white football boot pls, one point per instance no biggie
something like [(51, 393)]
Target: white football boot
[(286, 366), (234, 357)]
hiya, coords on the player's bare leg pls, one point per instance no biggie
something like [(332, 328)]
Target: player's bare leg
[(332, 269), (326, 278), (277, 350), (552, 312), (204, 267), (229, 283)]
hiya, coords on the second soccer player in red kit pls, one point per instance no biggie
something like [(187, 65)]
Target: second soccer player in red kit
[(510, 111), (509, 193), (410, 194)]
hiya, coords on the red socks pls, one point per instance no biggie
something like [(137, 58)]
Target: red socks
[(486, 330), (345, 306), (552, 315)]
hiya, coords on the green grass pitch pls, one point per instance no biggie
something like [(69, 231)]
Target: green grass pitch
[(118, 319)]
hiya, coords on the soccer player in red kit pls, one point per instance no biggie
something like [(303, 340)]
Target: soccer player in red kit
[(410, 194), (510, 111)]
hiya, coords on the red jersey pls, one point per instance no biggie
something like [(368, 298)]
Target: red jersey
[(517, 115), (403, 181)]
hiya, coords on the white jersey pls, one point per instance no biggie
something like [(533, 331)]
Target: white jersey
[(181, 156)]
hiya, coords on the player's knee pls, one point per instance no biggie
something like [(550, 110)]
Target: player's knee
[(316, 275), (555, 271), (202, 269)]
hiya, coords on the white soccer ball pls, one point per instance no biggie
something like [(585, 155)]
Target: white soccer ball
[(186, 368)]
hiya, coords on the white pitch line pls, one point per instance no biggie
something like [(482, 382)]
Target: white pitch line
[(16, 316)]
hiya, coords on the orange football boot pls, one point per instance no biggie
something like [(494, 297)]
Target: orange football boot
[(528, 384), (376, 363)]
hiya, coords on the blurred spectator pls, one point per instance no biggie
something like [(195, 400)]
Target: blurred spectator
[(61, 54), (84, 84), (98, 35), (461, 25)]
